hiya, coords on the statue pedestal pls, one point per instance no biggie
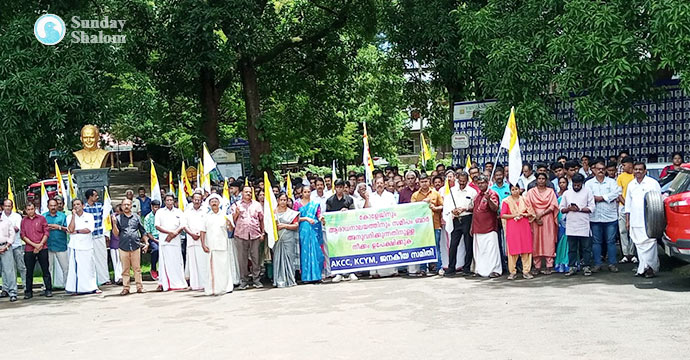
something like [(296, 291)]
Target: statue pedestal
[(91, 179)]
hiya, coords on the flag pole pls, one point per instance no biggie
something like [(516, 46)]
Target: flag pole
[(495, 163)]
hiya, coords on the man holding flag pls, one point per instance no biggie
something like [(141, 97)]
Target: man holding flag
[(100, 251)]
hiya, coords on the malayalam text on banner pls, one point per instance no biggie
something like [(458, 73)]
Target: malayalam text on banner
[(370, 239)]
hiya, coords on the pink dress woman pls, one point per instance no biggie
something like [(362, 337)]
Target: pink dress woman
[(545, 232)]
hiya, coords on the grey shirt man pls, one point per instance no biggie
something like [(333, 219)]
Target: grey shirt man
[(131, 231)]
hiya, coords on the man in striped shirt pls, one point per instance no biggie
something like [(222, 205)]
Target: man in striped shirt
[(100, 250)]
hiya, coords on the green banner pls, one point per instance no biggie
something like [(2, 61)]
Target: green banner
[(370, 239)]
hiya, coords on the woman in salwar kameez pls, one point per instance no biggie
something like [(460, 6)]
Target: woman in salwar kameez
[(310, 239), (284, 249), (544, 227), (517, 213), (561, 263)]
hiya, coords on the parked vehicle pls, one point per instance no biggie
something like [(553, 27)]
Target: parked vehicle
[(667, 214), (50, 185), (654, 169)]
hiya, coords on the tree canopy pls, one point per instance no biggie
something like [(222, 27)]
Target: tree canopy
[(298, 78)]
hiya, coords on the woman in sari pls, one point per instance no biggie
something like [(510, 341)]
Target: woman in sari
[(284, 249), (310, 238), (544, 227), (517, 214), (561, 265)]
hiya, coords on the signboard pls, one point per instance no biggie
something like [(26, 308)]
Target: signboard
[(230, 170), (222, 156), (370, 239), (470, 109), (460, 141)]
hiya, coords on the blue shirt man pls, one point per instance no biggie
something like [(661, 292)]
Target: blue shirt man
[(145, 202), (57, 239), (503, 190)]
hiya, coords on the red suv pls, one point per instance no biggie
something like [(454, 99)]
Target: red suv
[(667, 215)]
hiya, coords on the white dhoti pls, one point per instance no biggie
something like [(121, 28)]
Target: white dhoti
[(219, 269), (197, 267), (385, 272), (445, 246), (647, 251), (171, 268), (117, 265), (58, 263), (81, 274), (100, 259), (487, 256), (234, 264)]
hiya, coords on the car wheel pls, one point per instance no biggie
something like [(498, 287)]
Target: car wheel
[(654, 214)]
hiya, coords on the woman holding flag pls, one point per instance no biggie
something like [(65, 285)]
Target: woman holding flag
[(283, 262)]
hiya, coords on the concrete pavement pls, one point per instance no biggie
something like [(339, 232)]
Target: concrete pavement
[(604, 316)]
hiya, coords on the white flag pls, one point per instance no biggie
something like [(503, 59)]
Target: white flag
[(209, 163)]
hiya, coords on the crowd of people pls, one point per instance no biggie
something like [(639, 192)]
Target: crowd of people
[(565, 217)]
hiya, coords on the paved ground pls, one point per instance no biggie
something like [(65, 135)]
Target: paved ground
[(605, 316)]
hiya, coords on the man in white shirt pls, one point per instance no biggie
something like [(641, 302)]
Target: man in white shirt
[(321, 194), (17, 248), (457, 207), (377, 200), (634, 209), (170, 223), (81, 274), (527, 176), (604, 218), (197, 258)]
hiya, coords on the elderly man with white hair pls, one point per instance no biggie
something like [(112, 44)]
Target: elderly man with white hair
[(222, 270)]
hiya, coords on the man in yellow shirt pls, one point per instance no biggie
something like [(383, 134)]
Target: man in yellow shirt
[(427, 194), (627, 246)]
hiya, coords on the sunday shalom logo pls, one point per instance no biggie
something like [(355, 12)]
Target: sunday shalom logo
[(83, 30), (80, 36)]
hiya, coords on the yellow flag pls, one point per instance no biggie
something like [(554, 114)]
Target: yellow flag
[(511, 143), (44, 199), (446, 188), (155, 187), (10, 195), (468, 163), (426, 153), (181, 200), (72, 190), (60, 185), (367, 161), (226, 190), (270, 204), (288, 186), (185, 181), (171, 186), (107, 210), (201, 175)]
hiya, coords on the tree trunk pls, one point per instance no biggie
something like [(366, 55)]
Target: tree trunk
[(258, 146), (210, 102)]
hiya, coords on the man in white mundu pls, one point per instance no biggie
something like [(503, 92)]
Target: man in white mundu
[(634, 210), (81, 275), (381, 199), (170, 223), (221, 261), (195, 268)]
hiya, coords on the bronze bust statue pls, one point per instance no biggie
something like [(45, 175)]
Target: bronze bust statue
[(90, 157)]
